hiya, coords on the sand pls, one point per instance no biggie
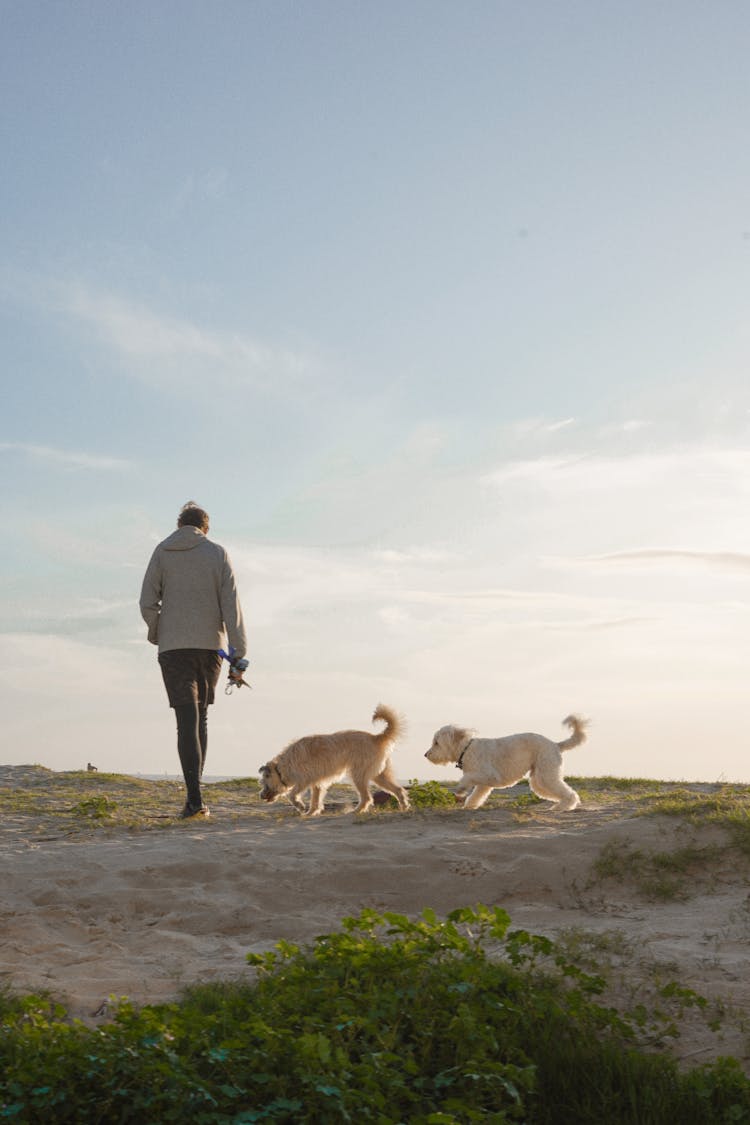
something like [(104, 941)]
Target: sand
[(141, 912)]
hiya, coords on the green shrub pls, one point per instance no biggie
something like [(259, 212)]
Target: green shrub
[(94, 808), (423, 795), (427, 1021), (430, 794)]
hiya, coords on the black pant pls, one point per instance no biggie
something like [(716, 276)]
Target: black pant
[(190, 677), (192, 744)]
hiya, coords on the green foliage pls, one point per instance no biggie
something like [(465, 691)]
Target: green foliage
[(79, 802), (523, 802), (430, 794), (94, 808), (728, 808), (422, 795), (659, 876), (429, 1021), (676, 873), (235, 785)]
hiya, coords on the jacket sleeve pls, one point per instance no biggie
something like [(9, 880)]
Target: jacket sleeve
[(151, 597), (231, 610)]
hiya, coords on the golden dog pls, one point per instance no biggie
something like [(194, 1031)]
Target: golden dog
[(318, 760)]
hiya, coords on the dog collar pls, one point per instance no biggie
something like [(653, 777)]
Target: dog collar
[(459, 763)]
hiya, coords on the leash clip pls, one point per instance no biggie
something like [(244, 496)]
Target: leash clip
[(236, 669)]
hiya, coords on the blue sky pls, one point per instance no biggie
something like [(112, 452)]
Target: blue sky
[(440, 309)]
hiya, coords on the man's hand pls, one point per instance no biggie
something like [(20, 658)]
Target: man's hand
[(237, 668)]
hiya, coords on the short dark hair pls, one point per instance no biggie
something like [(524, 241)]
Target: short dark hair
[(192, 516)]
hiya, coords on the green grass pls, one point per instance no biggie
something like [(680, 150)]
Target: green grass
[(676, 873), (77, 801), (728, 808), (432, 1022), (423, 795), (658, 875)]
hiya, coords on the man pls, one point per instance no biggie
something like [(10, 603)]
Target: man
[(189, 602)]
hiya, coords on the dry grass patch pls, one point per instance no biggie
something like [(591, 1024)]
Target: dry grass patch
[(78, 802)]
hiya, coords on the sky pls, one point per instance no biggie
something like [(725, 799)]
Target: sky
[(440, 309)]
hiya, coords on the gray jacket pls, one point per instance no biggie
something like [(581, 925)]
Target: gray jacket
[(189, 596)]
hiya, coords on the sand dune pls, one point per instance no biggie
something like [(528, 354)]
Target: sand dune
[(142, 911)]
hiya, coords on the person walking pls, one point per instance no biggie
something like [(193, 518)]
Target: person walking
[(190, 604)]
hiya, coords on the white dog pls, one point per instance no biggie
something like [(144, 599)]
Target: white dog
[(317, 761), (496, 763)]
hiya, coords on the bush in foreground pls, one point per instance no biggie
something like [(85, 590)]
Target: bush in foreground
[(389, 1020)]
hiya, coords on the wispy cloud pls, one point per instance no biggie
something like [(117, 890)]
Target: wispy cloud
[(68, 458), (596, 473), (726, 560), (170, 349), (293, 588), (529, 427), (210, 186), (544, 471), (553, 427)]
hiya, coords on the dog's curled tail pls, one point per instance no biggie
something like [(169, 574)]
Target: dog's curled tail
[(394, 726), (578, 727)]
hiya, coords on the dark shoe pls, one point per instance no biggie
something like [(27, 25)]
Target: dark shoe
[(189, 812)]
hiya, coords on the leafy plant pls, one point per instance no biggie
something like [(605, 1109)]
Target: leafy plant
[(422, 795), (430, 794), (431, 1021), (94, 808)]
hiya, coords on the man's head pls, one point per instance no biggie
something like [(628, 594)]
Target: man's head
[(193, 516)]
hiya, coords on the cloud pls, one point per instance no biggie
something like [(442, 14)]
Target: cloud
[(209, 186), (553, 427), (70, 459), (298, 591), (168, 349), (726, 560), (594, 473), (95, 619), (62, 668), (529, 427)]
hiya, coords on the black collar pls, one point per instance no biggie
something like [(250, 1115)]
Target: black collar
[(459, 763)]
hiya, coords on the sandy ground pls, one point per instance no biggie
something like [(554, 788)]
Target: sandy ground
[(141, 912)]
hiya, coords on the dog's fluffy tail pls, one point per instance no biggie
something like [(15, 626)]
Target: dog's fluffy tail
[(394, 726), (578, 727)]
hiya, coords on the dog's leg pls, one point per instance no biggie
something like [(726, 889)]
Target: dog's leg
[(362, 785), (463, 789), (478, 796), (554, 789), (387, 781), (317, 797), (294, 797), (365, 801), (568, 799)]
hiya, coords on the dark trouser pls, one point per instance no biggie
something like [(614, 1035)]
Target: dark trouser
[(190, 677), (192, 743)]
